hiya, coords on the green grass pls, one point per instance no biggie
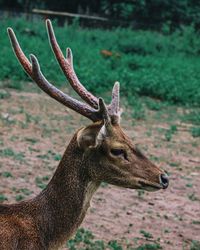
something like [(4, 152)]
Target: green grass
[(7, 174), (85, 240), (146, 234), (193, 116), (41, 182), (195, 245), (193, 197), (152, 246), (26, 191), (146, 63), (19, 197), (2, 198), (195, 131), (9, 152), (4, 94)]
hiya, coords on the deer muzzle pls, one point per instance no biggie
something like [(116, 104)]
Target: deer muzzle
[(164, 180)]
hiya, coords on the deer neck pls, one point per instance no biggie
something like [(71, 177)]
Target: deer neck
[(66, 198)]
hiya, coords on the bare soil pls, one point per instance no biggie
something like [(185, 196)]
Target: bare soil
[(34, 132)]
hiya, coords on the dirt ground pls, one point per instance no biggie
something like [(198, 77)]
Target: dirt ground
[(34, 132)]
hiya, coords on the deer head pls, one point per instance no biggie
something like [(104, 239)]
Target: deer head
[(112, 157), (106, 150)]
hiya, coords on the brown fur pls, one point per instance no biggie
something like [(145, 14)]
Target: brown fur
[(49, 219)]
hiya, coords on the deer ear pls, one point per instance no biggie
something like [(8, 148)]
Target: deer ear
[(86, 138), (89, 137)]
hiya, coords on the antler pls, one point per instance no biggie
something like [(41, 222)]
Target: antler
[(32, 68), (66, 65), (114, 105)]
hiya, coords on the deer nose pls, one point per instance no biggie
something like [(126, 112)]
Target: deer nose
[(164, 180)]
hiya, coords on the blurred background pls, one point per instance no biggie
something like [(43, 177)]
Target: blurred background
[(153, 49)]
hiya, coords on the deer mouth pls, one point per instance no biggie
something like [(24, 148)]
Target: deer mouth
[(149, 186), (153, 186)]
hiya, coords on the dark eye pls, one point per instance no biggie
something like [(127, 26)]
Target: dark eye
[(117, 152)]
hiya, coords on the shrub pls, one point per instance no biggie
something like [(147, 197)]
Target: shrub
[(164, 67)]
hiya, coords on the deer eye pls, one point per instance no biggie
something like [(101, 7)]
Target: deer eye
[(117, 152)]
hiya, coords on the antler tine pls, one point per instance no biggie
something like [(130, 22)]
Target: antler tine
[(69, 57), (33, 70), (114, 110), (52, 91), (66, 65), (19, 53), (114, 106)]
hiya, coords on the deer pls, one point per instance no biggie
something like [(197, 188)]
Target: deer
[(99, 152)]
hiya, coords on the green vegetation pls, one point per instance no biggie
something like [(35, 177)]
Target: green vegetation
[(170, 132), (152, 246), (85, 237), (146, 234), (193, 197), (26, 191), (195, 245), (195, 131), (85, 240), (21, 194), (7, 174), (40, 181), (4, 94), (164, 67), (9, 152), (2, 197), (193, 116), (19, 197), (196, 222)]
